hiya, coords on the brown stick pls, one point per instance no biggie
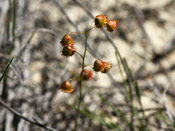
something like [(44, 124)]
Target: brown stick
[(25, 118)]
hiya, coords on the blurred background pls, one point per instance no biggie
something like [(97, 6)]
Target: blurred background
[(31, 31)]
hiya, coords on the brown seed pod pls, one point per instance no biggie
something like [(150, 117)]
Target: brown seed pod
[(67, 40), (100, 21), (107, 68), (66, 87), (111, 25), (99, 65), (68, 51), (87, 75)]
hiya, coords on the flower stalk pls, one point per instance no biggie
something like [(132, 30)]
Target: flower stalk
[(81, 78)]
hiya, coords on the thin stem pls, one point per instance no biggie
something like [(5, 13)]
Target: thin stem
[(13, 26), (75, 78), (76, 32), (25, 118), (79, 54), (82, 32), (14, 19), (138, 95), (91, 53), (9, 18), (81, 79), (129, 98), (6, 69)]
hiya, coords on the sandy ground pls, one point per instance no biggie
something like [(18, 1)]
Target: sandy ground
[(145, 37)]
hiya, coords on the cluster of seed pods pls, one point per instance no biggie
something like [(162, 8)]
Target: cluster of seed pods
[(68, 45), (99, 65), (101, 21)]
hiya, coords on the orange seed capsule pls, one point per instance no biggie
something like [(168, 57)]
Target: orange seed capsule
[(87, 75), (66, 87), (111, 25), (67, 40), (100, 21), (107, 68), (99, 65)]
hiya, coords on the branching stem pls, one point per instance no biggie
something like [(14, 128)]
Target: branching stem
[(86, 34)]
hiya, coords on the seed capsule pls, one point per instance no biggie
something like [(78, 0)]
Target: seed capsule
[(111, 25), (67, 40), (99, 65), (66, 87), (100, 21), (68, 51), (87, 75), (107, 68)]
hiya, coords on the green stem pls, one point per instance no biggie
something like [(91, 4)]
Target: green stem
[(13, 10), (6, 69), (144, 126), (9, 18), (79, 54), (81, 80), (14, 19), (130, 99)]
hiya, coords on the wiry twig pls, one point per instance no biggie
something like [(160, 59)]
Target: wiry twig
[(6, 69), (140, 19), (65, 14), (46, 30), (25, 118), (84, 7)]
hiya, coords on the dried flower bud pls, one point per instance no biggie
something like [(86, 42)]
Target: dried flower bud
[(111, 25), (67, 40), (99, 65), (68, 51), (100, 21), (66, 87), (107, 68), (87, 75)]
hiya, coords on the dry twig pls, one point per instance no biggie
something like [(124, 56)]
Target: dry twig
[(25, 118)]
